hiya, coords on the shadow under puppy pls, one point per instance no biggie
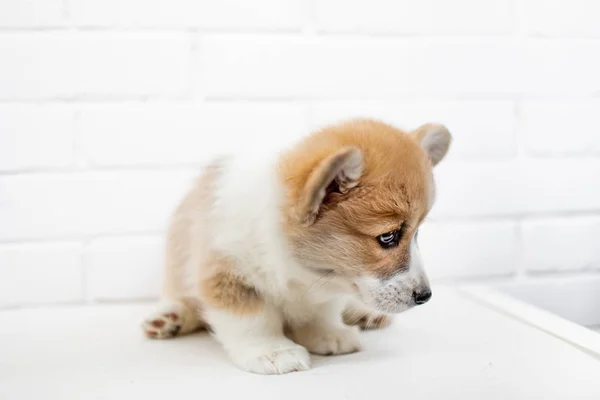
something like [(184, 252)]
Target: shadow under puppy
[(284, 255)]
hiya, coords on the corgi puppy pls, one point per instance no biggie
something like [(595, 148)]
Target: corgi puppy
[(284, 255)]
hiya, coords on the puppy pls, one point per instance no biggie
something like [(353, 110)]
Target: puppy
[(283, 256)]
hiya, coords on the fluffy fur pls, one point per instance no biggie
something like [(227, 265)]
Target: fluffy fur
[(279, 256)]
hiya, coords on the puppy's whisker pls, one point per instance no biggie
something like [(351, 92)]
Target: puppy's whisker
[(360, 316), (315, 282), (327, 281), (368, 324)]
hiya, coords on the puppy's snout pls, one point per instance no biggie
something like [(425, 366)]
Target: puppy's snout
[(421, 296)]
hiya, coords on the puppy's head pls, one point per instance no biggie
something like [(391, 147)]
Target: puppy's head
[(356, 195)]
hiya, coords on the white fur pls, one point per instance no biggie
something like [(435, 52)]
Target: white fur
[(256, 343), (244, 224), (395, 295), (230, 267), (247, 208)]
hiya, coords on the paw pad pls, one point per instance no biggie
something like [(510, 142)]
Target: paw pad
[(163, 326), (158, 323), (172, 316)]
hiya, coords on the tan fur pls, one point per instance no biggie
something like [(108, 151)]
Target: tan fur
[(220, 286), (393, 190), (226, 289), (300, 244), (328, 170), (183, 312), (179, 249)]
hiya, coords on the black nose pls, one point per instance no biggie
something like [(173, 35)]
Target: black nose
[(421, 296)]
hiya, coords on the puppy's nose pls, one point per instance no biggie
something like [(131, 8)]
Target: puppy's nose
[(421, 296)]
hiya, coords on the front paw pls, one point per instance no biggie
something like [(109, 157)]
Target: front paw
[(328, 340), (273, 360)]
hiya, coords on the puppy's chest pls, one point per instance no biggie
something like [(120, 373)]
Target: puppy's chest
[(298, 305), (301, 299)]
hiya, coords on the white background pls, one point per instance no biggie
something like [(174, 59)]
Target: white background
[(108, 108)]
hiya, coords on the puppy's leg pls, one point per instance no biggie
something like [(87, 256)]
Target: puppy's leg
[(250, 329), (173, 318), (326, 333), (178, 313), (358, 313), (256, 342)]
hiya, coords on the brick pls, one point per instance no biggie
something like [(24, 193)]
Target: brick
[(481, 130), (40, 274), (483, 189), (477, 189), (458, 250), (174, 134), (561, 18), (48, 65), (37, 206), (232, 14), (134, 64), (559, 185), (270, 67), (124, 268), (36, 137), (48, 58), (434, 17), (73, 205), (559, 67), (561, 128), (134, 202), (31, 13), (369, 68), (561, 244)]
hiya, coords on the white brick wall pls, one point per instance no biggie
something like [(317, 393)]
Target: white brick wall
[(123, 268), (36, 137), (423, 17), (31, 14), (107, 109), (557, 129), (265, 15), (40, 273), (563, 244), (167, 134), (325, 67), (561, 18), (53, 65)]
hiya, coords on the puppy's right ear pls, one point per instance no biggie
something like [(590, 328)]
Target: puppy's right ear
[(434, 139), (337, 173)]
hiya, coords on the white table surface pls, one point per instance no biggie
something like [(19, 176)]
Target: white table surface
[(451, 348)]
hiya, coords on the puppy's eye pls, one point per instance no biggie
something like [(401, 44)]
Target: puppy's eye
[(390, 239)]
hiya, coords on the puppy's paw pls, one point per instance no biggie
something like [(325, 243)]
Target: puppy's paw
[(370, 320), (274, 360), (162, 325), (328, 340)]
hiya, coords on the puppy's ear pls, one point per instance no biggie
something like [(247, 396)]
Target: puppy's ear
[(434, 139), (336, 173)]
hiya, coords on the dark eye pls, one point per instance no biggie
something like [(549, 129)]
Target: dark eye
[(390, 239)]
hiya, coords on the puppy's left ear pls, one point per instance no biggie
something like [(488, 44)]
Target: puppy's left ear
[(336, 173), (434, 139)]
